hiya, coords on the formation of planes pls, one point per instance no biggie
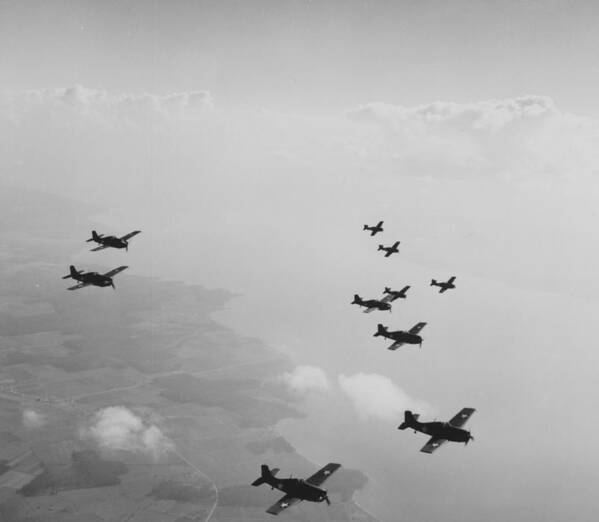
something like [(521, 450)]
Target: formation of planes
[(94, 278), (296, 490)]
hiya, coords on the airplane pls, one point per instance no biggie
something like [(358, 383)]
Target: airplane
[(390, 250), (92, 278), (401, 337), (440, 432), (111, 241), (394, 294), (372, 304), (375, 229), (444, 285), (296, 490)]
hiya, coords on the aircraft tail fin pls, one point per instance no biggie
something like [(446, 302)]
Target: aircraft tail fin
[(95, 237), (433, 282), (381, 247), (266, 476), (380, 330), (387, 290), (409, 420), (357, 299), (365, 227), (72, 273)]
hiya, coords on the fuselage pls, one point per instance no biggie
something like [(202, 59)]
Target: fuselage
[(396, 294), (404, 337), (374, 303), (112, 241), (442, 430), (299, 488), (93, 278)]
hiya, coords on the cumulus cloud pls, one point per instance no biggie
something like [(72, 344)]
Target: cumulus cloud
[(305, 379), (99, 106), (524, 135), (377, 396), (118, 428), (32, 419)]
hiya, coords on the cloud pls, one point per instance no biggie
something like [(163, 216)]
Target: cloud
[(305, 379), (70, 105), (522, 136), (375, 395), (118, 428), (33, 419)]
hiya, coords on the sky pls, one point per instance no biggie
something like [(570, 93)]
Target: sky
[(308, 55), (250, 141)]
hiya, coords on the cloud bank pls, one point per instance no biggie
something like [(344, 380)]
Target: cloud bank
[(521, 136), (306, 379), (98, 106), (118, 428), (377, 396)]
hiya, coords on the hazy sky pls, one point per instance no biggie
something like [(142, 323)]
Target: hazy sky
[(250, 141), (309, 54)]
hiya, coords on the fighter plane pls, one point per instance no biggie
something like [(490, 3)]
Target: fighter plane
[(372, 304), (392, 295), (440, 432), (375, 229), (92, 278), (444, 285), (390, 250), (401, 337), (111, 241), (296, 490)]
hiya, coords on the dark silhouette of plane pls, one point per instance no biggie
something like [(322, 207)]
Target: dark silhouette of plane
[(372, 304), (92, 278), (111, 241), (375, 229), (390, 250), (440, 432), (444, 285), (394, 294), (400, 336), (296, 490)]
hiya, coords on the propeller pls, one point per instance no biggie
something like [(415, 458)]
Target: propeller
[(470, 437), (112, 284), (326, 499), (126, 246)]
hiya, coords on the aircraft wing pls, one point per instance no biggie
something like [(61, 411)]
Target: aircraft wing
[(462, 418), (389, 253), (443, 289), (396, 345), (115, 271), (282, 504), (389, 298), (433, 444), (451, 279), (130, 235), (416, 328), (101, 247), (78, 286), (368, 310), (322, 474)]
